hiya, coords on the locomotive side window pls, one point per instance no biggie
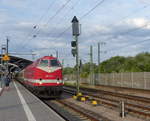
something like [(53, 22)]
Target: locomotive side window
[(54, 62), (44, 63)]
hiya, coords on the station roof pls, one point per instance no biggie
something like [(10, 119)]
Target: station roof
[(20, 62)]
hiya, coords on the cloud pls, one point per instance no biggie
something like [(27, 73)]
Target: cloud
[(144, 1), (122, 39), (49, 44), (19, 16), (14, 3), (138, 22), (3, 15), (112, 35)]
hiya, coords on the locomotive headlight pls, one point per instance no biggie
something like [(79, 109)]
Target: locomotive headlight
[(40, 82), (58, 81)]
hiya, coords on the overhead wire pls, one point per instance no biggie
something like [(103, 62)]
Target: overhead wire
[(82, 17), (51, 18), (38, 23), (66, 14), (66, 4), (130, 44), (127, 16), (71, 7), (49, 7), (93, 8), (135, 29), (43, 15), (89, 13), (132, 29), (56, 13), (96, 7)]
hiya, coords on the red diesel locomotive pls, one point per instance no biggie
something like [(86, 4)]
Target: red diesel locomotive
[(44, 77)]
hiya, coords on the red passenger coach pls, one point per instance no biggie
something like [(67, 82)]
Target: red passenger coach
[(44, 77)]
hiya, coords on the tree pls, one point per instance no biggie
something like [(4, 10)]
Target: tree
[(139, 63)]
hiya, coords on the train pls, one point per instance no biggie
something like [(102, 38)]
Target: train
[(43, 77)]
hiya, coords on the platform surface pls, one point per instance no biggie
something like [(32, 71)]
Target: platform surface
[(18, 104)]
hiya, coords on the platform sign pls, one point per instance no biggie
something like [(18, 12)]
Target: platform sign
[(6, 58)]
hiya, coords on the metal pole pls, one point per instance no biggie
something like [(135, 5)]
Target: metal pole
[(7, 40), (144, 80), (1, 66), (62, 62), (98, 54), (32, 56), (3, 51), (77, 63), (122, 113), (99, 62), (132, 79), (57, 54), (121, 79), (91, 65)]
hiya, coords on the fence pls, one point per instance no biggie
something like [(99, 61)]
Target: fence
[(139, 80)]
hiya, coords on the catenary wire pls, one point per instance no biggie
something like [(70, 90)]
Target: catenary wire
[(51, 18)]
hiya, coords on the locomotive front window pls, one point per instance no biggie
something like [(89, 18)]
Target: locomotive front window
[(44, 63), (54, 63)]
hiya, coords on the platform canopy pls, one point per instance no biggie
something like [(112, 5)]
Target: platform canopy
[(16, 63)]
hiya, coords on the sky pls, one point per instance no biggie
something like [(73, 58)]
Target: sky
[(42, 27)]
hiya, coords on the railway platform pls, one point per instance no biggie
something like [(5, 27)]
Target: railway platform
[(18, 104)]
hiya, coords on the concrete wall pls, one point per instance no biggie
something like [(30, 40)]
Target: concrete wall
[(139, 80)]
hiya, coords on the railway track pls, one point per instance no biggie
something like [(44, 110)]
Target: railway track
[(78, 113), (70, 111), (134, 105), (73, 112)]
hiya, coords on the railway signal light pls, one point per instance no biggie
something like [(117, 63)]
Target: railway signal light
[(73, 44), (74, 50)]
